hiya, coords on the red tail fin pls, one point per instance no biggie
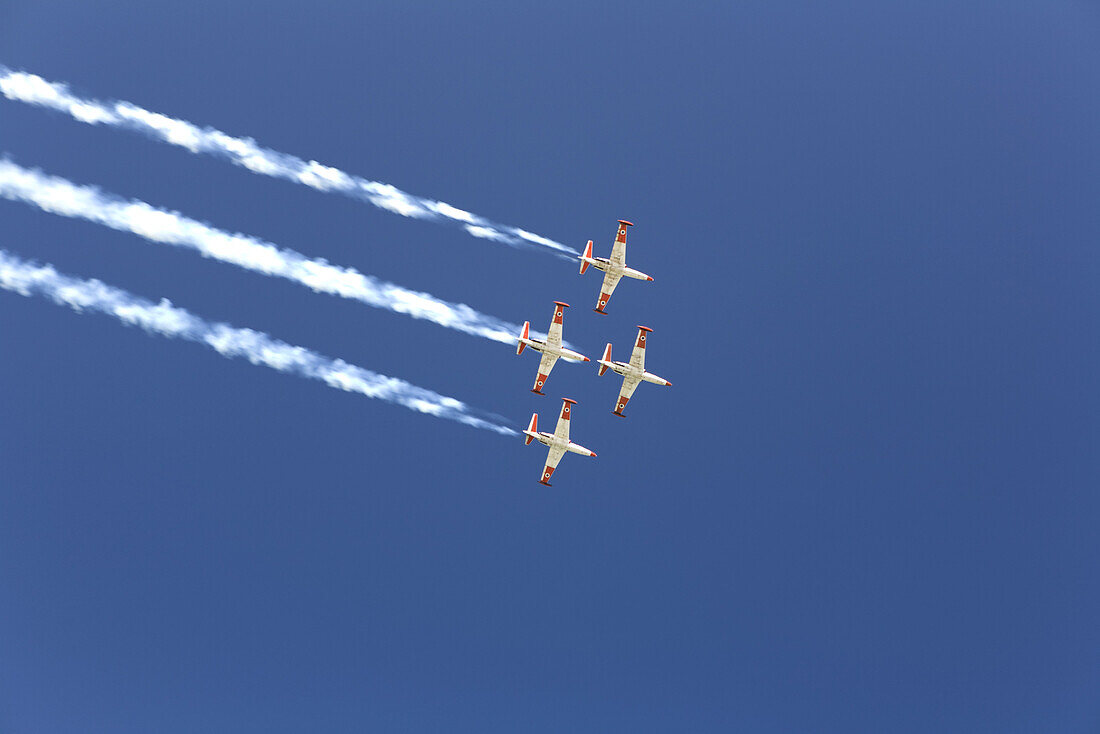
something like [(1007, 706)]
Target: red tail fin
[(606, 358), (533, 428), (523, 335), (586, 257)]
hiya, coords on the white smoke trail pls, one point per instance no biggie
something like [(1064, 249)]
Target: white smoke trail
[(163, 318), (34, 90), (60, 196)]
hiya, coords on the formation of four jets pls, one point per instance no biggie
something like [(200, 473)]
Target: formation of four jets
[(632, 372)]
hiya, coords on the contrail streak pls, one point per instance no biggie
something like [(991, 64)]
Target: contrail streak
[(34, 90), (60, 196), (163, 318)]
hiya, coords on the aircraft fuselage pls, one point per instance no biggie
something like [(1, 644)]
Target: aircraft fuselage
[(545, 348), (602, 263), (551, 440), (628, 370)]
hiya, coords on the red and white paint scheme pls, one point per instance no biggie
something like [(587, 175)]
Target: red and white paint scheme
[(633, 372), (558, 441), (551, 348), (614, 267)]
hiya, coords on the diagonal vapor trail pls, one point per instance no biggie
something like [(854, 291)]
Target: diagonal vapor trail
[(27, 278), (60, 196), (34, 90)]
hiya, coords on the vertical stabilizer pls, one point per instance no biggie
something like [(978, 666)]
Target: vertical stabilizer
[(533, 428), (523, 335), (586, 258)]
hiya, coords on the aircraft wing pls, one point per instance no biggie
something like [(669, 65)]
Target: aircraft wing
[(637, 357), (545, 365), (562, 429), (610, 280), (553, 337), (630, 384), (552, 460), (618, 250)]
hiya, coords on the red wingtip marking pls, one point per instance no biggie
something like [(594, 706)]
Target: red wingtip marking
[(668, 384), (586, 359), (648, 278), (591, 453), (539, 382)]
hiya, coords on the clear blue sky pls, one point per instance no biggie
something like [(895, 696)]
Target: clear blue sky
[(869, 502)]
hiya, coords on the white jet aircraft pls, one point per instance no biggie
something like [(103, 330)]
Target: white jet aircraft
[(558, 441), (551, 348), (633, 372), (614, 268)]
